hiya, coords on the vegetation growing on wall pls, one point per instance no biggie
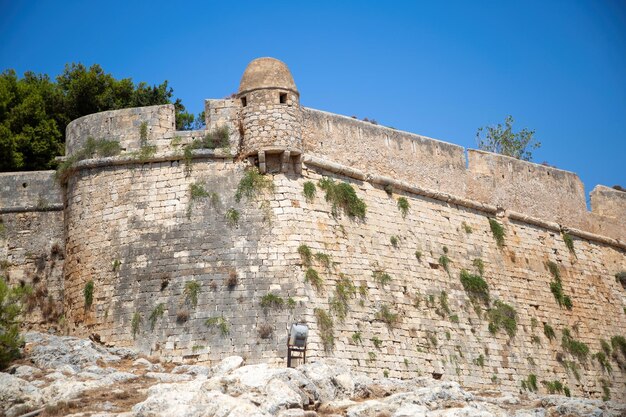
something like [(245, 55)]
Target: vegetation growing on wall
[(271, 300), (556, 286), (305, 254), (314, 279), (156, 314), (93, 148), (253, 185), (191, 291), (475, 286), (569, 242), (403, 206), (578, 349), (530, 383), (501, 139), (343, 197), (444, 261), (326, 329), (502, 316), (232, 217), (88, 293), (382, 277), (344, 291), (220, 323), (387, 316), (135, 324), (498, 232), (309, 191)]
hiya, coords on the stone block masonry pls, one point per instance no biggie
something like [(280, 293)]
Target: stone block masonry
[(159, 253)]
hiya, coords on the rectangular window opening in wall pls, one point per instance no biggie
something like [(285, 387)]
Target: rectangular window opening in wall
[(244, 102), (283, 98)]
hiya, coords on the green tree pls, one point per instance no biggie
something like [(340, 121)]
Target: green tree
[(35, 110), (11, 299), (501, 139)]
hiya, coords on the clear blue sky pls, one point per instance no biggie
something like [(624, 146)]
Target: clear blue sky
[(437, 68)]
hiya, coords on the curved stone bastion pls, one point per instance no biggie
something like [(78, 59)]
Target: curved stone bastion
[(402, 258)]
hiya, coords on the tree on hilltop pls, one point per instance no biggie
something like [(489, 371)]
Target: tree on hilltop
[(501, 139), (35, 110)]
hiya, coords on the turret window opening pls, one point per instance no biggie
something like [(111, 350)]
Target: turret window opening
[(282, 97), (244, 102)]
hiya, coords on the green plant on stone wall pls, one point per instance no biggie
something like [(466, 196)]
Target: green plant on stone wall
[(530, 383), (418, 255), (480, 361), (88, 293), (271, 300), (314, 279), (305, 254), (325, 325), (502, 315), (232, 216), (309, 191), (135, 323), (577, 348), (569, 242), (93, 148), (387, 316), (394, 241), (444, 261), (156, 314), (606, 347), (468, 229), (443, 303), (357, 338), (381, 277), (143, 134), (479, 265), (343, 197), (603, 361), (620, 277), (218, 322), (498, 231), (556, 287), (403, 206), (115, 265), (344, 290), (553, 387), (291, 303), (377, 342), (191, 291), (253, 184), (371, 356), (605, 389), (324, 259), (475, 287), (619, 344)]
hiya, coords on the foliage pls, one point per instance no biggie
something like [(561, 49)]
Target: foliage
[(480, 361), (265, 330), (418, 255), (156, 313), (377, 342), (325, 325), (556, 287), (305, 254), (619, 343), (479, 265), (35, 110), (253, 184), (502, 315), (394, 241), (115, 265), (501, 139), (569, 242), (498, 231), (573, 346), (605, 390), (91, 149), (603, 361), (232, 217), (553, 386), (309, 191), (357, 338), (342, 196), (324, 259), (454, 318), (191, 291), (530, 383), (468, 229), (11, 305), (621, 278), (197, 191), (381, 277), (475, 287), (218, 322), (403, 206), (88, 293), (135, 323), (444, 261), (606, 347), (314, 278), (344, 290), (443, 302), (271, 300), (385, 315)]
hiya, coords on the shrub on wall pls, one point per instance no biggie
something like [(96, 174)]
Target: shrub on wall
[(498, 232), (135, 323), (502, 315), (475, 286), (403, 206), (93, 148), (88, 293), (305, 254), (253, 184), (191, 291), (309, 191), (220, 323), (578, 349), (343, 197), (156, 313), (325, 326)]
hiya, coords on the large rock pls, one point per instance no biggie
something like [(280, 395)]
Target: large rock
[(17, 395)]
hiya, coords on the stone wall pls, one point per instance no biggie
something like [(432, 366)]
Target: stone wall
[(608, 202), (121, 125), (140, 237), (32, 242), (417, 159)]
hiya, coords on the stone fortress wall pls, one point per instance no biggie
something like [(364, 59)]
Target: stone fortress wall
[(132, 226)]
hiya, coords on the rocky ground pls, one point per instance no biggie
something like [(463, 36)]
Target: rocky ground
[(61, 376)]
